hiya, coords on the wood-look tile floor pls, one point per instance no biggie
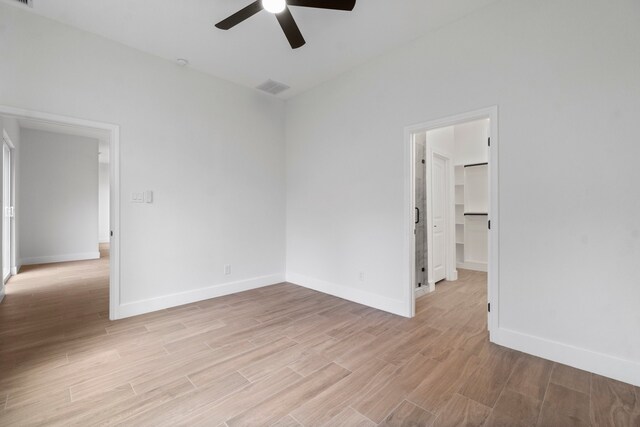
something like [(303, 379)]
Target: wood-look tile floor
[(281, 355)]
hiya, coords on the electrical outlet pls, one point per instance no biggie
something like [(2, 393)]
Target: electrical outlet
[(227, 270)]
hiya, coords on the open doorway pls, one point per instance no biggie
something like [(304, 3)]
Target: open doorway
[(454, 206), (64, 186)]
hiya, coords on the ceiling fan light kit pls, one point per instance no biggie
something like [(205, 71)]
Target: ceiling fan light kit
[(274, 6), (280, 9)]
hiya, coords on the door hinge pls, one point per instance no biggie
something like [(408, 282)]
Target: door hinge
[(489, 224), (489, 141), (489, 307), (111, 233), (423, 161)]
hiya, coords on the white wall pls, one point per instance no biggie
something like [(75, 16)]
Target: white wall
[(471, 144), (212, 152), (565, 76), (443, 140), (103, 202), (58, 197)]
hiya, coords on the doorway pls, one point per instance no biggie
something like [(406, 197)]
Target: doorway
[(454, 164), (109, 134)]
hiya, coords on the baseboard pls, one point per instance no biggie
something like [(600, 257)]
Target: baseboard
[(105, 240), (598, 363), (1, 293), (424, 290), (167, 301), (15, 270), (369, 299), (432, 285), (60, 258), (475, 266)]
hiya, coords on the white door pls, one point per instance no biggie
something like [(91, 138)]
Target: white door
[(439, 218), (7, 212)]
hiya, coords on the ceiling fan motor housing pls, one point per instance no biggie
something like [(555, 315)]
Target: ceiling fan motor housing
[(280, 8)]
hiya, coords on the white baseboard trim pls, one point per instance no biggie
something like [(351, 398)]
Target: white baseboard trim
[(475, 266), (167, 301), (15, 270), (598, 363), (424, 290), (1, 293), (432, 285), (105, 240), (369, 299), (60, 258)]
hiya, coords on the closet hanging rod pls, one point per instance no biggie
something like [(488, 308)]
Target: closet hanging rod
[(476, 214), (476, 164)]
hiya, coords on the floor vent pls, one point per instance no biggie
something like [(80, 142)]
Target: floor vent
[(26, 2), (273, 87)]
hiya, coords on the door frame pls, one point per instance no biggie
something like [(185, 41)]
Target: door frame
[(449, 262), (114, 187), (493, 282), (6, 140)]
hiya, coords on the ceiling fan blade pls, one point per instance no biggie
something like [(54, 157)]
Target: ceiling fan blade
[(290, 28), (324, 4), (240, 16)]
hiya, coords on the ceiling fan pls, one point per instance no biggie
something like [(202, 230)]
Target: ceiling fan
[(280, 8)]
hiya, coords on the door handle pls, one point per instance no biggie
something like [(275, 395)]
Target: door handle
[(417, 215)]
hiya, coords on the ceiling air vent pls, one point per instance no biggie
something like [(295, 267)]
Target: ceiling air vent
[(273, 87), (26, 2)]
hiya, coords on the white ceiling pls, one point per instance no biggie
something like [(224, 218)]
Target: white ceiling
[(256, 50), (101, 135)]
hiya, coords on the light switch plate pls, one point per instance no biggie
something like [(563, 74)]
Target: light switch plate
[(148, 196), (137, 197)]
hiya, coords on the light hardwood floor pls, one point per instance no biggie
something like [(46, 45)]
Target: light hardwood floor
[(281, 355)]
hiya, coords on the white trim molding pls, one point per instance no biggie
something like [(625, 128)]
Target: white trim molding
[(359, 296), (598, 363), (475, 266), (174, 300), (50, 259)]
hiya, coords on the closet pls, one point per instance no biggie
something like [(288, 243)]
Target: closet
[(472, 208)]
